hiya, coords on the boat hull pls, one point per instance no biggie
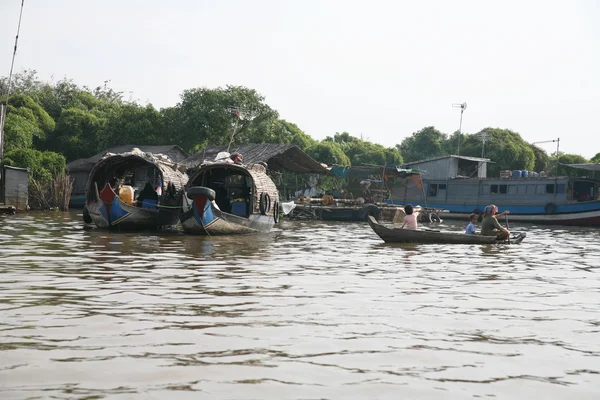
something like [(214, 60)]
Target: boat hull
[(109, 212), (577, 214), (398, 235), (212, 221)]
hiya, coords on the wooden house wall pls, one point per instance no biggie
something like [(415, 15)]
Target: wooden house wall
[(16, 187)]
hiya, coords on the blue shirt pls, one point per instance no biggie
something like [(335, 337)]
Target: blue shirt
[(471, 228)]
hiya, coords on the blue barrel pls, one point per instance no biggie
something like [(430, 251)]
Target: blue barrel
[(516, 173), (524, 174)]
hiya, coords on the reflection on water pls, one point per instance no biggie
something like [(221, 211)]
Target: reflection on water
[(313, 310)]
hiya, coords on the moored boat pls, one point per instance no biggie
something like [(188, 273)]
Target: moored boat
[(399, 235), (134, 191), (461, 186), (230, 199)]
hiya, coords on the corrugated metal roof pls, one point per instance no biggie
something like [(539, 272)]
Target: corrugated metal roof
[(277, 156), (86, 164), (477, 159)]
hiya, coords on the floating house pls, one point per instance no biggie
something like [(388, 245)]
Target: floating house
[(79, 170), (461, 186)]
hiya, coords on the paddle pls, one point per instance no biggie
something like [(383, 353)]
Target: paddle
[(506, 221)]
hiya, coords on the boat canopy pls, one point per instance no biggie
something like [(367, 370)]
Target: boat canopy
[(278, 157), (367, 170), (588, 167)]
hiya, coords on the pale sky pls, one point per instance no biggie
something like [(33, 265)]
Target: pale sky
[(380, 69)]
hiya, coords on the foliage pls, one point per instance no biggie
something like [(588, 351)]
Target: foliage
[(504, 147), (132, 124), (329, 153), (596, 158), (206, 116), (42, 165), (563, 170), (26, 122), (76, 134), (426, 143), (542, 160)]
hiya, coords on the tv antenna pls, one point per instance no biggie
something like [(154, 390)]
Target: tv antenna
[(463, 107), (483, 136)]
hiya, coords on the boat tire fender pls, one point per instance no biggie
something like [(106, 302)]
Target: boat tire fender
[(264, 203), (550, 208), (435, 218), (369, 210), (276, 211), (195, 191)]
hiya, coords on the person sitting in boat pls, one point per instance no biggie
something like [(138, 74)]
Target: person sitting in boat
[(472, 227), (410, 220), (237, 158), (490, 225), (147, 193)]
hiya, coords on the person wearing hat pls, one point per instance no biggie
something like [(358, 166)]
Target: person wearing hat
[(490, 225)]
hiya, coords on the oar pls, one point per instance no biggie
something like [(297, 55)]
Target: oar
[(506, 220)]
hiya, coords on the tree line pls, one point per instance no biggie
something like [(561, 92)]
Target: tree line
[(51, 123)]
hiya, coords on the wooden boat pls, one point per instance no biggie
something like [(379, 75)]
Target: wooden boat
[(398, 235), (230, 199), (112, 204)]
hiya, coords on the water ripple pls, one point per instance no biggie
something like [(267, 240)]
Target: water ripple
[(310, 311)]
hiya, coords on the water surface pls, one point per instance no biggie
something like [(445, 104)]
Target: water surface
[(313, 310)]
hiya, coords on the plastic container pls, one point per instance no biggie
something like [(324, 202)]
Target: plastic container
[(524, 174), (126, 194), (535, 174), (516, 173)]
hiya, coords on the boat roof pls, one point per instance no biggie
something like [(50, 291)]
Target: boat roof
[(366, 170), (86, 164), (278, 156), (589, 167), (475, 159)]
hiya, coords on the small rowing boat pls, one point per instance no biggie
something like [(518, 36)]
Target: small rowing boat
[(398, 235)]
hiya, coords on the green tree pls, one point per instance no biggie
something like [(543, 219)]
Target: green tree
[(542, 160), (26, 122), (42, 165), (206, 116), (563, 169), (77, 134), (329, 153), (504, 147), (133, 124), (426, 143), (596, 158)]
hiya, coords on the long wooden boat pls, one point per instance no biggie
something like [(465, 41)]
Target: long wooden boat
[(230, 199), (398, 235), (112, 204)]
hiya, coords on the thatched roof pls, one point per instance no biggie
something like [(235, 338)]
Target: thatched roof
[(277, 156), (110, 165), (175, 153)]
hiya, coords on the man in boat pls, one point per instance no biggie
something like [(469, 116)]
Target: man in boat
[(490, 225), (237, 158)]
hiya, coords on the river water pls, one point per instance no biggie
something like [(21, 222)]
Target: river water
[(313, 310)]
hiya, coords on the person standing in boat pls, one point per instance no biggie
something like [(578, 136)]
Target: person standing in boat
[(410, 220), (490, 225)]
